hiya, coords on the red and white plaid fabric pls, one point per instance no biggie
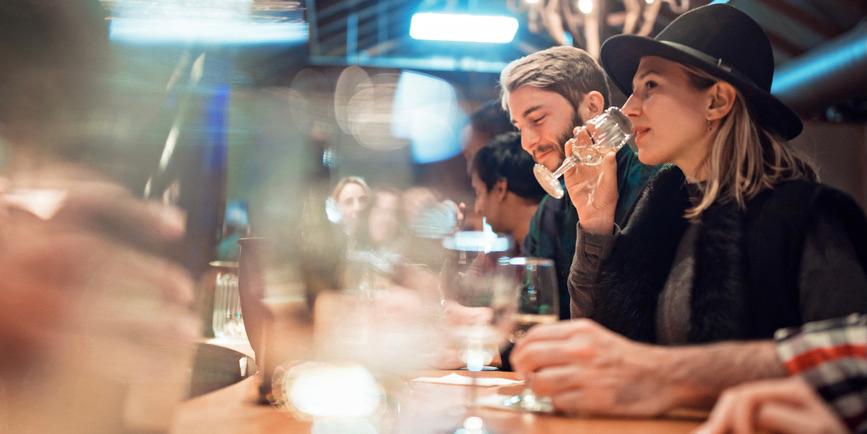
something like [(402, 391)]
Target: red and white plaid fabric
[(832, 356)]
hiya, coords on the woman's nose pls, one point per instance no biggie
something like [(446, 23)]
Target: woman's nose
[(632, 107)]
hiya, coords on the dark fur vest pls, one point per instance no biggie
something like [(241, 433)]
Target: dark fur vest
[(747, 261)]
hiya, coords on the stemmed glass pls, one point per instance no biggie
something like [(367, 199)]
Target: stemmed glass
[(494, 297), (608, 132), (537, 304)]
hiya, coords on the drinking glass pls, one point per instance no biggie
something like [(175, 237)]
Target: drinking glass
[(227, 317), (495, 298), (537, 304), (610, 130)]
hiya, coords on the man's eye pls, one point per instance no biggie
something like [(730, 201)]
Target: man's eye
[(650, 84), (537, 120)]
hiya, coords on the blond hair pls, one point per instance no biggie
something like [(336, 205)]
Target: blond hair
[(349, 180), (568, 71), (744, 158)]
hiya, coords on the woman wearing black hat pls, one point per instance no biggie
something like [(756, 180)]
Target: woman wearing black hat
[(737, 239), (732, 242)]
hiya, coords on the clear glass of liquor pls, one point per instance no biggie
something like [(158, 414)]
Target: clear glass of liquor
[(537, 304), (608, 132)]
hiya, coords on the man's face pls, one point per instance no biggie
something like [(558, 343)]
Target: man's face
[(486, 204), (546, 120)]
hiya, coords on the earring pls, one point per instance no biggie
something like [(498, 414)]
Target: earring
[(709, 125)]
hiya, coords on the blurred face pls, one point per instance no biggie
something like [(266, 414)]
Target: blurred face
[(668, 114), (351, 201), (472, 141), (545, 120), (487, 203), (384, 219)]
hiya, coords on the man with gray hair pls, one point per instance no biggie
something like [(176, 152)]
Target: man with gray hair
[(547, 94)]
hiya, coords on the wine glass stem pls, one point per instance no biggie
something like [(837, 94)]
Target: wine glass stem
[(568, 163), (473, 392)]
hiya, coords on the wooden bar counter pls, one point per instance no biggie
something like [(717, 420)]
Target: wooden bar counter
[(425, 408)]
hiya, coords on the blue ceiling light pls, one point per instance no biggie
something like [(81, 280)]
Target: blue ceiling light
[(146, 30), (491, 29)]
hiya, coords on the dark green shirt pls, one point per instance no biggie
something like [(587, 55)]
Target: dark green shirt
[(553, 228)]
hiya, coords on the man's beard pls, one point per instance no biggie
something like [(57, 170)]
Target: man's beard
[(564, 137)]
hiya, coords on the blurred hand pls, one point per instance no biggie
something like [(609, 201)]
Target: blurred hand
[(587, 369), (78, 274), (592, 189), (788, 406)]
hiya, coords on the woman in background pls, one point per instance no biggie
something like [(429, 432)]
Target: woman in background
[(351, 196)]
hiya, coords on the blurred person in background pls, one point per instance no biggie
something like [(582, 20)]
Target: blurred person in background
[(547, 94), (235, 226), (351, 197), (487, 122), (384, 222), (93, 318), (507, 193)]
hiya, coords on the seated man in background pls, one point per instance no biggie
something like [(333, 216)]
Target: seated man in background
[(507, 194), (487, 122)]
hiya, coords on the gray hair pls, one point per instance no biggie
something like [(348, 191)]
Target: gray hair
[(568, 71)]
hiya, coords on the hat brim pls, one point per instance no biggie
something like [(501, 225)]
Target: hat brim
[(621, 54)]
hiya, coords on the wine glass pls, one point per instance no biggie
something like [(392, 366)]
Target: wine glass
[(494, 297), (537, 304), (610, 130)]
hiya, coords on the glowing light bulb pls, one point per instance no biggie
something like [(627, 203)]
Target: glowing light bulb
[(585, 6)]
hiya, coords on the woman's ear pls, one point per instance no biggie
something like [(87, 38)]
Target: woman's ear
[(722, 97)]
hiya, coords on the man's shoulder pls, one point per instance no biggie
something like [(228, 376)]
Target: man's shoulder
[(549, 204)]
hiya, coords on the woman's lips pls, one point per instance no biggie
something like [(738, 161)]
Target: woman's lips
[(639, 133)]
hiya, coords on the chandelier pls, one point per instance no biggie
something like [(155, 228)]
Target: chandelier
[(583, 20)]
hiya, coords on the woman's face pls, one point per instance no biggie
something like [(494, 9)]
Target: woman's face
[(351, 201), (668, 115)]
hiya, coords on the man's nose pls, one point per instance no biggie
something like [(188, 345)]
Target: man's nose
[(529, 140)]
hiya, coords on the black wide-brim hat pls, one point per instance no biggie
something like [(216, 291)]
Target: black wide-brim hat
[(720, 40)]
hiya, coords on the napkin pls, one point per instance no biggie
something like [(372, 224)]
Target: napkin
[(464, 380)]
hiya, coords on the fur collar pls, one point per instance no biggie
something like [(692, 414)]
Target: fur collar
[(626, 298)]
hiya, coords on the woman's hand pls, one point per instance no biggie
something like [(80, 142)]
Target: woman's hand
[(788, 406), (592, 189)]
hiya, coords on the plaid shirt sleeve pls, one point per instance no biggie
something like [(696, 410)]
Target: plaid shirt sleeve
[(831, 356)]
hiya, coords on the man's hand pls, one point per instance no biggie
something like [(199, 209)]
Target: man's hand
[(587, 369), (787, 406)]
